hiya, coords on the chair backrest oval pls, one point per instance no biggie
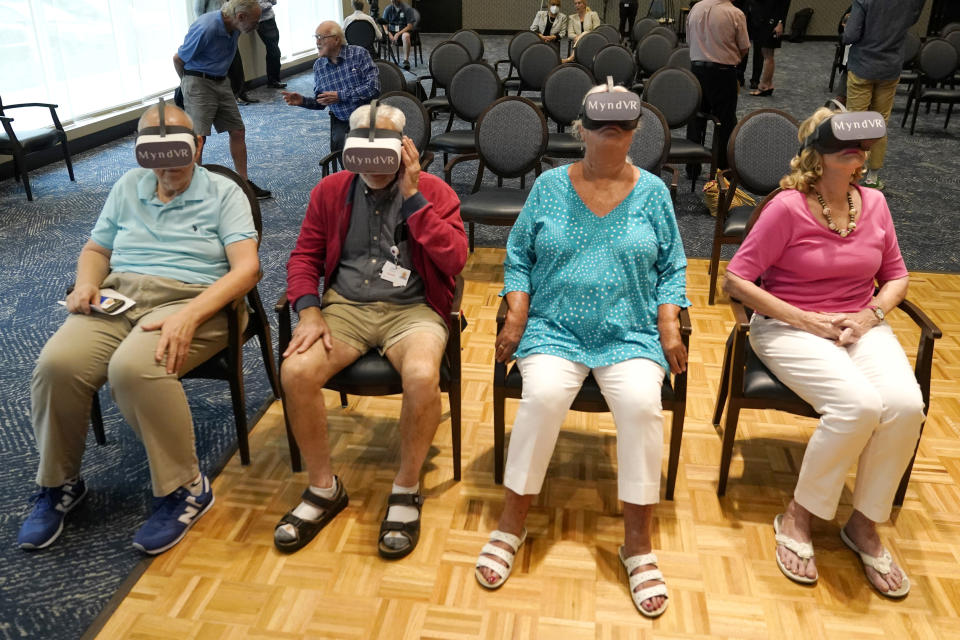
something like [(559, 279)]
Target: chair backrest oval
[(669, 34), (473, 88), (759, 209), (609, 32), (471, 40), (641, 28), (761, 147), (938, 59), (950, 28), (247, 191), (587, 47), (953, 38), (518, 44), (676, 93), (911, 48), (653, 53), (563, 92), (445, 60), (680, 58), (417, 127), (536, 62), (616, 61), (651, 143), (511, 136), (391, 77), (360, 33)]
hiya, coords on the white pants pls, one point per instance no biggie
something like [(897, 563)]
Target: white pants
[(871, 410), (632, 391)]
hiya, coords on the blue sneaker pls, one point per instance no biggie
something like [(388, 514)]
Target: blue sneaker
[(172, 517), (50, 507)]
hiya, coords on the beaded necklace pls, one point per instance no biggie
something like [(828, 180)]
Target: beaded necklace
[(851, 224)]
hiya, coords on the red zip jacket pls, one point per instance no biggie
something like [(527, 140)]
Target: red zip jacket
[(438, 243)]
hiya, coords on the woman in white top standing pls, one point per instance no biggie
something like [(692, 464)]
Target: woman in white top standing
[(550, 25)]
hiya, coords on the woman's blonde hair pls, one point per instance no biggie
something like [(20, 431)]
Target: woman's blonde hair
[(806, 168)]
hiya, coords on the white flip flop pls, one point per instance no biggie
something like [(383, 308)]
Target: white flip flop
[(803, 549), (882, 564)]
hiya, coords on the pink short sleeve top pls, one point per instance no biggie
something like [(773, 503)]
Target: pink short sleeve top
[(805, 264)]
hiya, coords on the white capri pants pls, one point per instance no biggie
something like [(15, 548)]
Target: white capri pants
[(871, 410), (632, 391)]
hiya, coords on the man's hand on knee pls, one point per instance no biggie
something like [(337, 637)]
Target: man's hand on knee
[(312, 327), (176, 334)]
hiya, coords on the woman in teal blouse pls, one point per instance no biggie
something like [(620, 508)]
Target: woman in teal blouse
[(594, 280)]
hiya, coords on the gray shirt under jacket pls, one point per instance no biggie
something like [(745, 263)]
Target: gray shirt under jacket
[(377, 223), (876, 29)]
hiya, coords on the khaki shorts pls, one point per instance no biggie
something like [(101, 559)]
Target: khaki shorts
[(365, 325), (210, 102)]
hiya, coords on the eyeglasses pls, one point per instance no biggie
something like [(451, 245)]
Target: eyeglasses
[(320, 37)]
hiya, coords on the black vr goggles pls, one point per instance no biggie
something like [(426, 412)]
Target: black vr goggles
[(846, 130), (165, 147), (619, 108), (372, 150)]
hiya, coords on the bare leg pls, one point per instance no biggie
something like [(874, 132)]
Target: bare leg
[(766, 78), (863, 532), (796, 524), (637, 519), (238, 151), (515, 508), (406, 46)]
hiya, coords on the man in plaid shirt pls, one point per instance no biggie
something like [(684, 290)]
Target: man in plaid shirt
[(344, 78)]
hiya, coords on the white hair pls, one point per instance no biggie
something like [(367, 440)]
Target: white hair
[(233, 7), (361, 116)]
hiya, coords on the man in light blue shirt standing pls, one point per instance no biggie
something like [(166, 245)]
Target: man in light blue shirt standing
[(180, 241)]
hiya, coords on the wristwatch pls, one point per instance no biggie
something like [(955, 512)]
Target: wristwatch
[(877, 311)]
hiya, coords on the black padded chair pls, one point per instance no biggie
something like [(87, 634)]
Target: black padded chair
[(667, 33), (759, 151), (508, 383), (587, 48), (227, 364), (680, 58), (617, 62), (536, 61), (747, 384), (650, 147), (640, 30), (937, 64), (950, 28), (676, 93), (445, 60), (653, 53), (28, 141), (563, 92), (472, 41), (911, 51), (392, 77), (362, 34), (473, 88), (518, 44), (511, 138), (373, 375), (609, 32)]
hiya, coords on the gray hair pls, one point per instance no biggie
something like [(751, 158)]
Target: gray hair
[(168, 108), (233, 7), (335, 30), (361, 116)]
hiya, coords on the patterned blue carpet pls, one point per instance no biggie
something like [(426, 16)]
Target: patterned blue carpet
[(57, 593)]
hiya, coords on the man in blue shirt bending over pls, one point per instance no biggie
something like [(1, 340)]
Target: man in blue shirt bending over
[(181, 242), (344, 78)]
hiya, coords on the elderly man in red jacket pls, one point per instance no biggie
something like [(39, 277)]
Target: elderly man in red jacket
[(388, 247)]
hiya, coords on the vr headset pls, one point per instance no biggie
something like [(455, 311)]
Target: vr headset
[(165, 147), (372, 150), (619, 108), (846, 130)]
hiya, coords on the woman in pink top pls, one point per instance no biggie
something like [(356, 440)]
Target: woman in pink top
[(818, 326)]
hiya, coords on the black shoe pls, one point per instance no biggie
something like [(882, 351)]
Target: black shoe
[(257, 191), (406, 65), (306, 530), (243, 98), (753, 84), (276, 84), (409, 530)]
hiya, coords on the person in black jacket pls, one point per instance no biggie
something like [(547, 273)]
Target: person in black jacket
[(767, 20)]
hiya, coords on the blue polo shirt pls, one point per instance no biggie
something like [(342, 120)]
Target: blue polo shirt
[(208, 47), (183, 239)]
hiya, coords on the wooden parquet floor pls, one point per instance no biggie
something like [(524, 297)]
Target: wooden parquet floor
[(226, 581)]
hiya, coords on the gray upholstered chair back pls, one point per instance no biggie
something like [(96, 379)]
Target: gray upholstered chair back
[(417, 127), (680, 58), (473, 88), (614, 60), (651, 142), (938, 59), (911, 48), (360, 33), (563, 92), (446, 60), (667, 33), (653, 53), (953, 38), (471, 40), (641, 28), (511, 136), (391, 76), (761, 147), (518, 44), (950, 28), (587, 47), (676, 93), (609, 32), (536, 62)]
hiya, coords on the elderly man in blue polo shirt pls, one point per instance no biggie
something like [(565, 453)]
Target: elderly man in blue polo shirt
[(181, 242), (344, 78), (202, 62)]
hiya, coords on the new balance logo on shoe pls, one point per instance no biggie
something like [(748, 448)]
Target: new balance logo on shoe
[(191, 509)]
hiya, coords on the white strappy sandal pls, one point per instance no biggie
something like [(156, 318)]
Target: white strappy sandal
[(639, 597), (882, 564), (803, 549), (508, 557)]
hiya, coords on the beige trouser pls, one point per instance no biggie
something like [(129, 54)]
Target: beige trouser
[(871, 95), (90, 350)]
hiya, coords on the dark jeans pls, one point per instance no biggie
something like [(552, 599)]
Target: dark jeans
[(271, 38), (719, 85), (338, 132), (235, 73), (627, 16)]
